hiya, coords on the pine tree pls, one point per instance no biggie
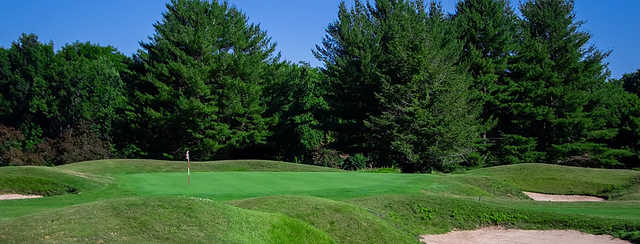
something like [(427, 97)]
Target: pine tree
[(202, 82), (297, 101), (631, 82), (394, 64), (349, 51), (551, 82), (488, 30)]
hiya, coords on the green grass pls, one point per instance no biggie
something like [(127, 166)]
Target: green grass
[(344, 222), (555, 179), (136, 166), (253, 201), (381, 170), (440, 214), (45, 181), (164, 220), (332, 185)]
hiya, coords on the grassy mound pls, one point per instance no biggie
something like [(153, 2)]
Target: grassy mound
[(556, 179), (44, 181), (153, 220), (344, 222), (434, 214), (136, 166), (332, 185)]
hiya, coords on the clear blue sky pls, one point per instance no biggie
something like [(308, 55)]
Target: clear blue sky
[(296, 25)]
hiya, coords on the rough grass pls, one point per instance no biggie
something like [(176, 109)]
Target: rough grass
[(44, 181), (149, 201), (136, 166), (381, 170), (436, 214), (158, 220), (345, 223), (556, 179)]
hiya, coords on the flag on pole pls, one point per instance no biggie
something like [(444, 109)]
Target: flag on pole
[(188, 169)]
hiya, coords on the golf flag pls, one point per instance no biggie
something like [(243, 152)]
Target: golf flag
[(188, 169)]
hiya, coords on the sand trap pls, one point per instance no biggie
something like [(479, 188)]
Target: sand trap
[(17, 196), (562, 198), (495, 235)]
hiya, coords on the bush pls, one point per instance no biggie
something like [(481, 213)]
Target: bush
[(14, 153), (81, 143), (474, 160), (355, 162), (328, 158)]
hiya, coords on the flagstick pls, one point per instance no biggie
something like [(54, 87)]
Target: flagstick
[(188, 169)]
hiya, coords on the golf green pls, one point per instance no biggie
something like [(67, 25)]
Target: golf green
[(239, 185)]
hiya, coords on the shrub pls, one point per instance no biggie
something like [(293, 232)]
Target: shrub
[(13, 152), (355, 162), (81, 143), (328, 158)]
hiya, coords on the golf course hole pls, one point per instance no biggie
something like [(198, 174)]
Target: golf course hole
[(562, 198), (502, 235), (18, 196)]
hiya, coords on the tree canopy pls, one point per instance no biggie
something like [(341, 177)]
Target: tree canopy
[(402, 84)]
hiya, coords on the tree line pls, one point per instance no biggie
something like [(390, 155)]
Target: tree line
[(403, 84)]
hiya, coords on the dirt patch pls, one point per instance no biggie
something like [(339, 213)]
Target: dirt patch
[(17, 196), (500, 235), (562, 198)]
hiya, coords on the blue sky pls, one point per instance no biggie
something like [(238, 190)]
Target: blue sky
[(296, 25)]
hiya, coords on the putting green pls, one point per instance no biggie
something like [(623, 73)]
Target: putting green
[(239, 185)]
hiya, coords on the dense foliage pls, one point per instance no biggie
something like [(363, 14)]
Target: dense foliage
[(402, 84)]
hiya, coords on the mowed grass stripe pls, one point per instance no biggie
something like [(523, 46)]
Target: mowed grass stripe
[(239, 185), (136, 166)]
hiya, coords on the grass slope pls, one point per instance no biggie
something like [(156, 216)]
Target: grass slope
[(344, 222), (45, 181), (158, 220), (146, 200), (135, 166), (332, 185), (437, 214), (556, 179)]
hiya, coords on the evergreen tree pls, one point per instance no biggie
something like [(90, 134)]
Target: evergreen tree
[(614, 121), (5, 71), (349, 51), (631, 82), (297, 101), (550, 87), (488, 31), (202, 82), (393, 63)]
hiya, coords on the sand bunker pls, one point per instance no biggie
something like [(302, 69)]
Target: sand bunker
[(17, 196), (562, 198), (495, 235)]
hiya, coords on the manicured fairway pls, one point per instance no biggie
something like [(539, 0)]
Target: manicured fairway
[(239, 185)]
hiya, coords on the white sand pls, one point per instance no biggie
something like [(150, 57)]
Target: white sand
[(562, 198), (498, 235), (17, 196)]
